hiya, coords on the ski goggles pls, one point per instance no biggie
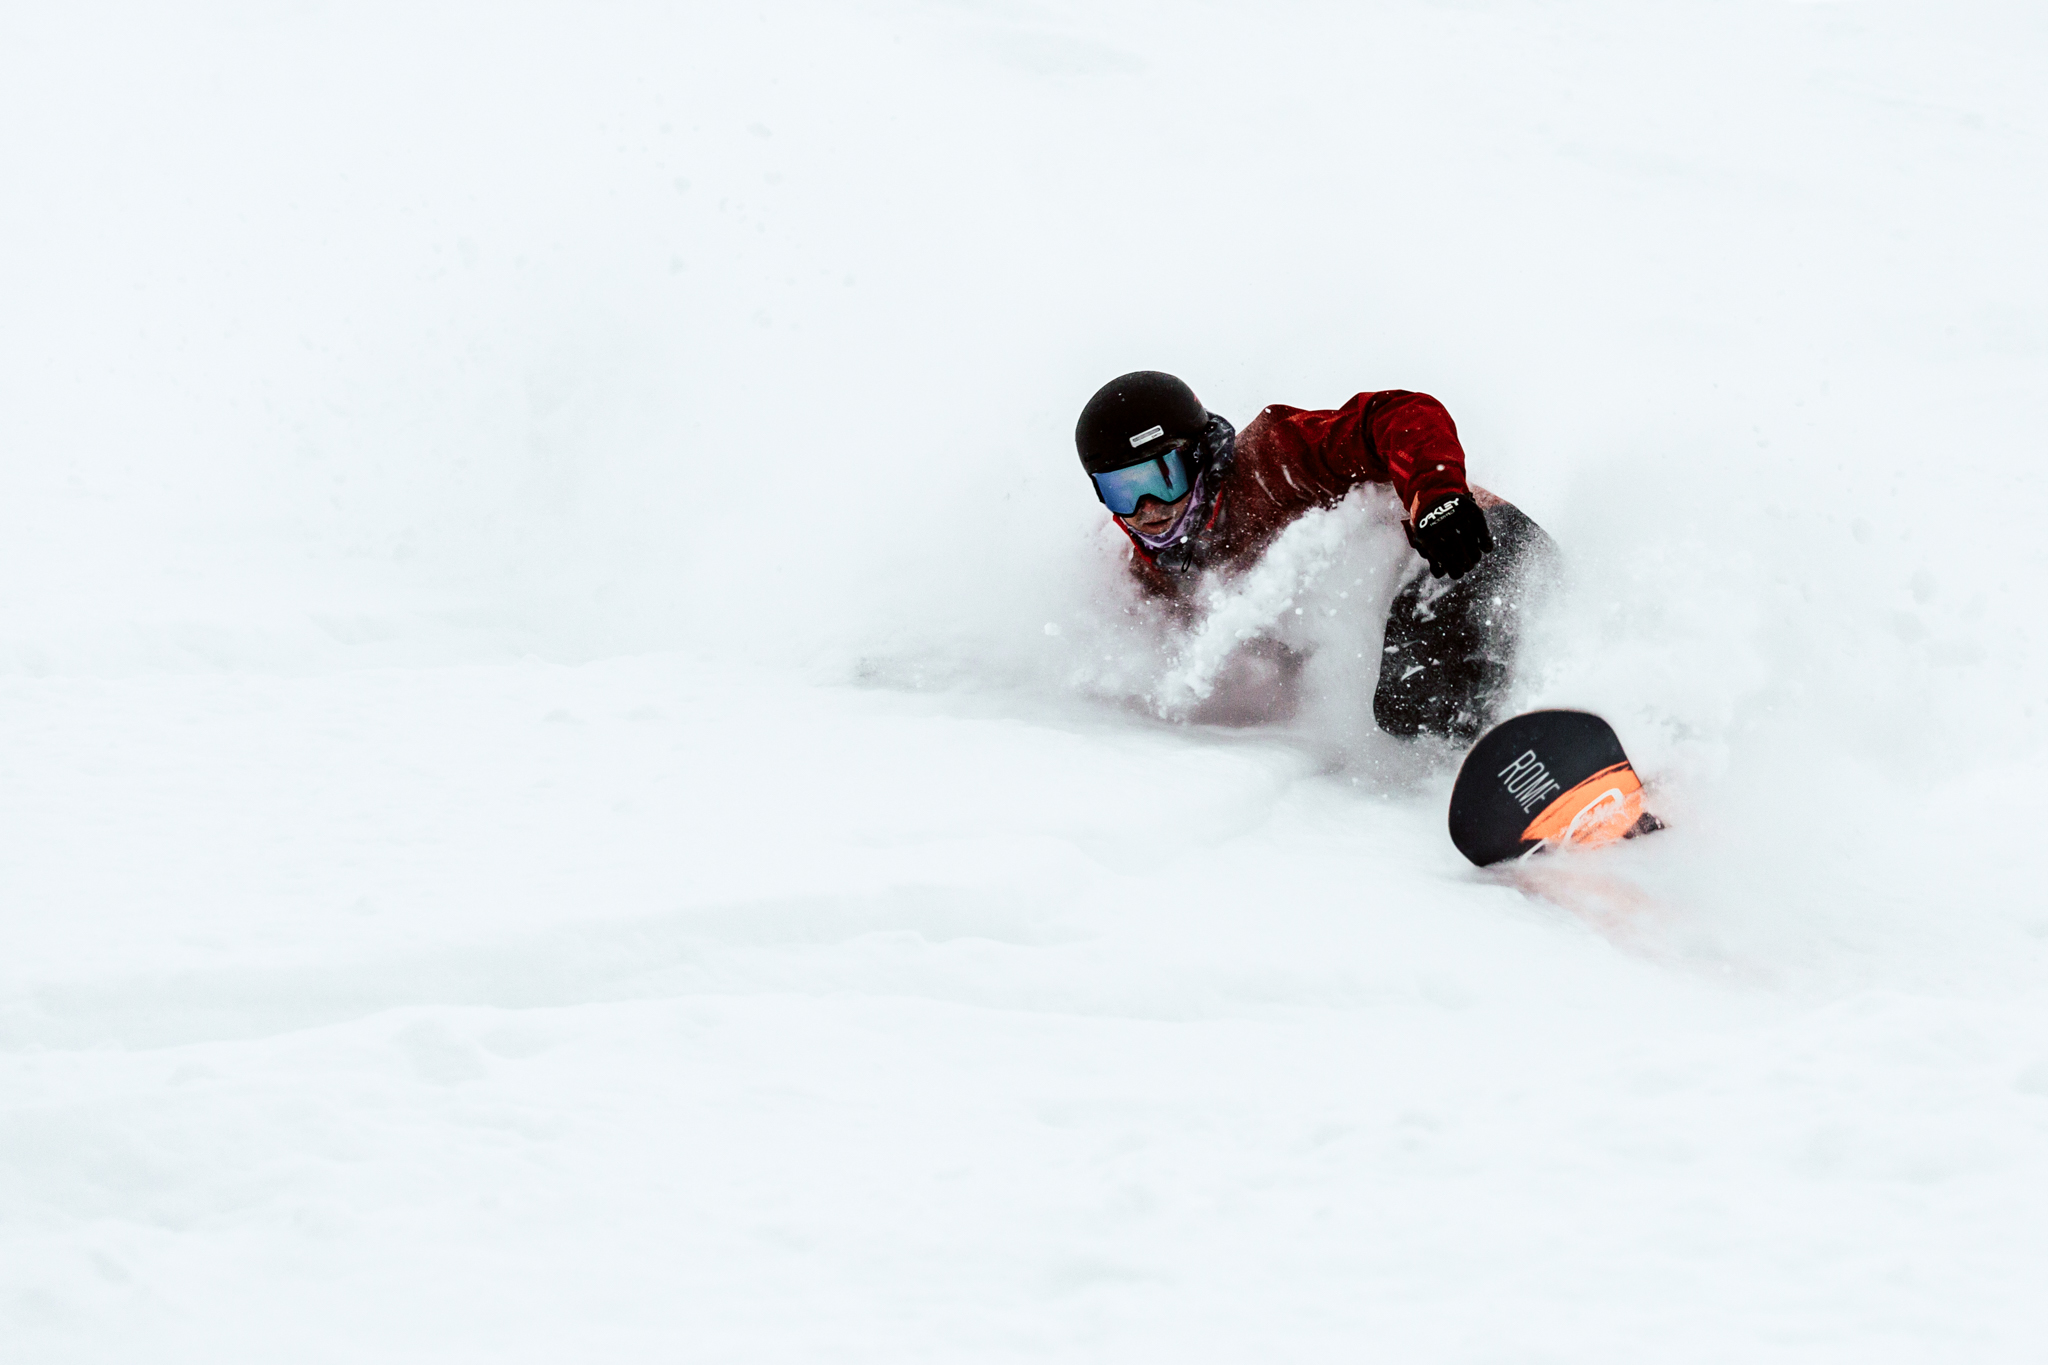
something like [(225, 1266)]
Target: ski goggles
[(1164, 476)]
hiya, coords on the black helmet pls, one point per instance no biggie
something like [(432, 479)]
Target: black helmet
[(1130, 418)]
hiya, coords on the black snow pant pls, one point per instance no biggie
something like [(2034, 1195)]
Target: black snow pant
[(1449, 654)]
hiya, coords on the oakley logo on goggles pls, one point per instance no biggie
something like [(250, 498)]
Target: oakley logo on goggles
[(1164, 477)]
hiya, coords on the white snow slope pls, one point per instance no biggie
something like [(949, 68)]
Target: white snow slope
[(570, 785)]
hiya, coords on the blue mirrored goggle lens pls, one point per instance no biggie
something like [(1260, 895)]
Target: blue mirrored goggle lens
[(1164, 478)]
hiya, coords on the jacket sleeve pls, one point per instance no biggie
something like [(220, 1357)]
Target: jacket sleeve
[(1417, 444), (1393, 436)]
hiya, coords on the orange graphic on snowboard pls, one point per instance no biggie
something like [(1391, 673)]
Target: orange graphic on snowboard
[(1603, 808)]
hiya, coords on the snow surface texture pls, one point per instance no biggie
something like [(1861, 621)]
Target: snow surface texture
[(579, 785)]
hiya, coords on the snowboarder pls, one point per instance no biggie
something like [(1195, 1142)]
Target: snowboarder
[(1194, 494)]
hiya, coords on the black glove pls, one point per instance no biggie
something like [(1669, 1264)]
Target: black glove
[(1451, 534)]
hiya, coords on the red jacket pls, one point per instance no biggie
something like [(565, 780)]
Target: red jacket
[(1292, 459)]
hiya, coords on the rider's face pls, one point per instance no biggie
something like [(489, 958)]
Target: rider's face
[(1153, 517)]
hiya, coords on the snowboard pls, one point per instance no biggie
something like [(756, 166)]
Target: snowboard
[(1546, 779)]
